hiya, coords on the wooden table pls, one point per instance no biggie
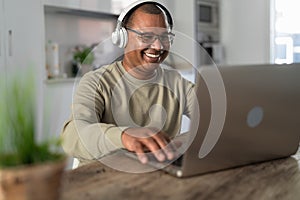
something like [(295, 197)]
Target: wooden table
[(278, 179)]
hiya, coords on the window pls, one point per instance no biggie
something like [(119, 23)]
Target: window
[(286, 36)]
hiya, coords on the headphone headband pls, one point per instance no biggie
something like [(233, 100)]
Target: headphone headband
[(137, 3), (119, 36)]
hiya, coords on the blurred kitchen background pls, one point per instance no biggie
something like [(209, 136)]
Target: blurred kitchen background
[(53, 37)]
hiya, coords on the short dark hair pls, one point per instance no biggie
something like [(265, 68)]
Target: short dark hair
[(147, 7)]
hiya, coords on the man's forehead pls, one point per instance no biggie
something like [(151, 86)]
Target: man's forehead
[(146, 20)]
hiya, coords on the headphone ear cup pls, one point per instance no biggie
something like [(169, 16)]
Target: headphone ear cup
[(115, 38), (123, 38)]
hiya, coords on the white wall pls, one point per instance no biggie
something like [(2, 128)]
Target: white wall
[(183, 13), (245, 31)]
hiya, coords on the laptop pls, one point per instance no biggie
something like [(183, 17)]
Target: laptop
[(260, 121)]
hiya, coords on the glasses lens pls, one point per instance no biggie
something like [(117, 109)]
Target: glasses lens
[(165, 38), (148, 38)]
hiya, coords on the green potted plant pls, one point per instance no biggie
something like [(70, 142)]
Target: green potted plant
[(83, 58), (28, 169)]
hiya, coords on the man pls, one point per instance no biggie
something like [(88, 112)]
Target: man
[(134, 103)]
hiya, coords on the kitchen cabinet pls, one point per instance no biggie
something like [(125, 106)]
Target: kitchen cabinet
[(103, 6), (21, 46), (2, 64), (21, 34), (58, 95)]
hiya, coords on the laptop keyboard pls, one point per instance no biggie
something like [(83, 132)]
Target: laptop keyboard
[(152, 159)]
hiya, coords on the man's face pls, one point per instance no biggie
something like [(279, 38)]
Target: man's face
[(138, 53)]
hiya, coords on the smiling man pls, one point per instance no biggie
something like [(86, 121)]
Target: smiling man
[(134, 103)]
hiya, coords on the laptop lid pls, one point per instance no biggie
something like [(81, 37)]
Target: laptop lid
[(261, 120)]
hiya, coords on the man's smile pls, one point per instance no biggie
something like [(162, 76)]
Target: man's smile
[(153, 56)]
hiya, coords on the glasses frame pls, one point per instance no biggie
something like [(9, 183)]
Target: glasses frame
[(141, 34)]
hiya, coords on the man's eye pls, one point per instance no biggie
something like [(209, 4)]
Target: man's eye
[(164, 37), (148, 37)]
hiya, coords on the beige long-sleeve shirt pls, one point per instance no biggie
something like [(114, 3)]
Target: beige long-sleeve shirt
[(109, 100)]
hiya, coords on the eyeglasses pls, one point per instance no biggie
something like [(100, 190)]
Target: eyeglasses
[(149, 38)]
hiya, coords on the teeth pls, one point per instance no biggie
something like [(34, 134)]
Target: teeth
[(152, 55)]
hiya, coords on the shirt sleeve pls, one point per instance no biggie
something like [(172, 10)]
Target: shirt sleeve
[(191, 99), (84, 135)]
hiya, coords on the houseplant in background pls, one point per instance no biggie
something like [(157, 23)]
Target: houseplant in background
[(83, 58), (28, 169)]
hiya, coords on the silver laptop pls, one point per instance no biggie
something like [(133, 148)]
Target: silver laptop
[(261, 120)]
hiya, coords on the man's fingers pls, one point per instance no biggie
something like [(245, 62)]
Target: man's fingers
[(157, 143), (166, 146), (138, 149), (153, 146)]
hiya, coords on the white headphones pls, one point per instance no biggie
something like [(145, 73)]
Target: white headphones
[(119, 37)]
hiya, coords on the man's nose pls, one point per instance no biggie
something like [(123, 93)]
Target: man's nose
[(157, 44)]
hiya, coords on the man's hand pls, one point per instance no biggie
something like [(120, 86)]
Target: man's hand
[(139, 139)]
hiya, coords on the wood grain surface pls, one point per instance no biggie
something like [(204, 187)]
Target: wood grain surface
[(277, 179)]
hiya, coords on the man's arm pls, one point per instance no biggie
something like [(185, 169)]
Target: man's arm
[(84, 136)]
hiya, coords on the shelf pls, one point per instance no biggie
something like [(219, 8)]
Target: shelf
[(79, 12), (62, 80)]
